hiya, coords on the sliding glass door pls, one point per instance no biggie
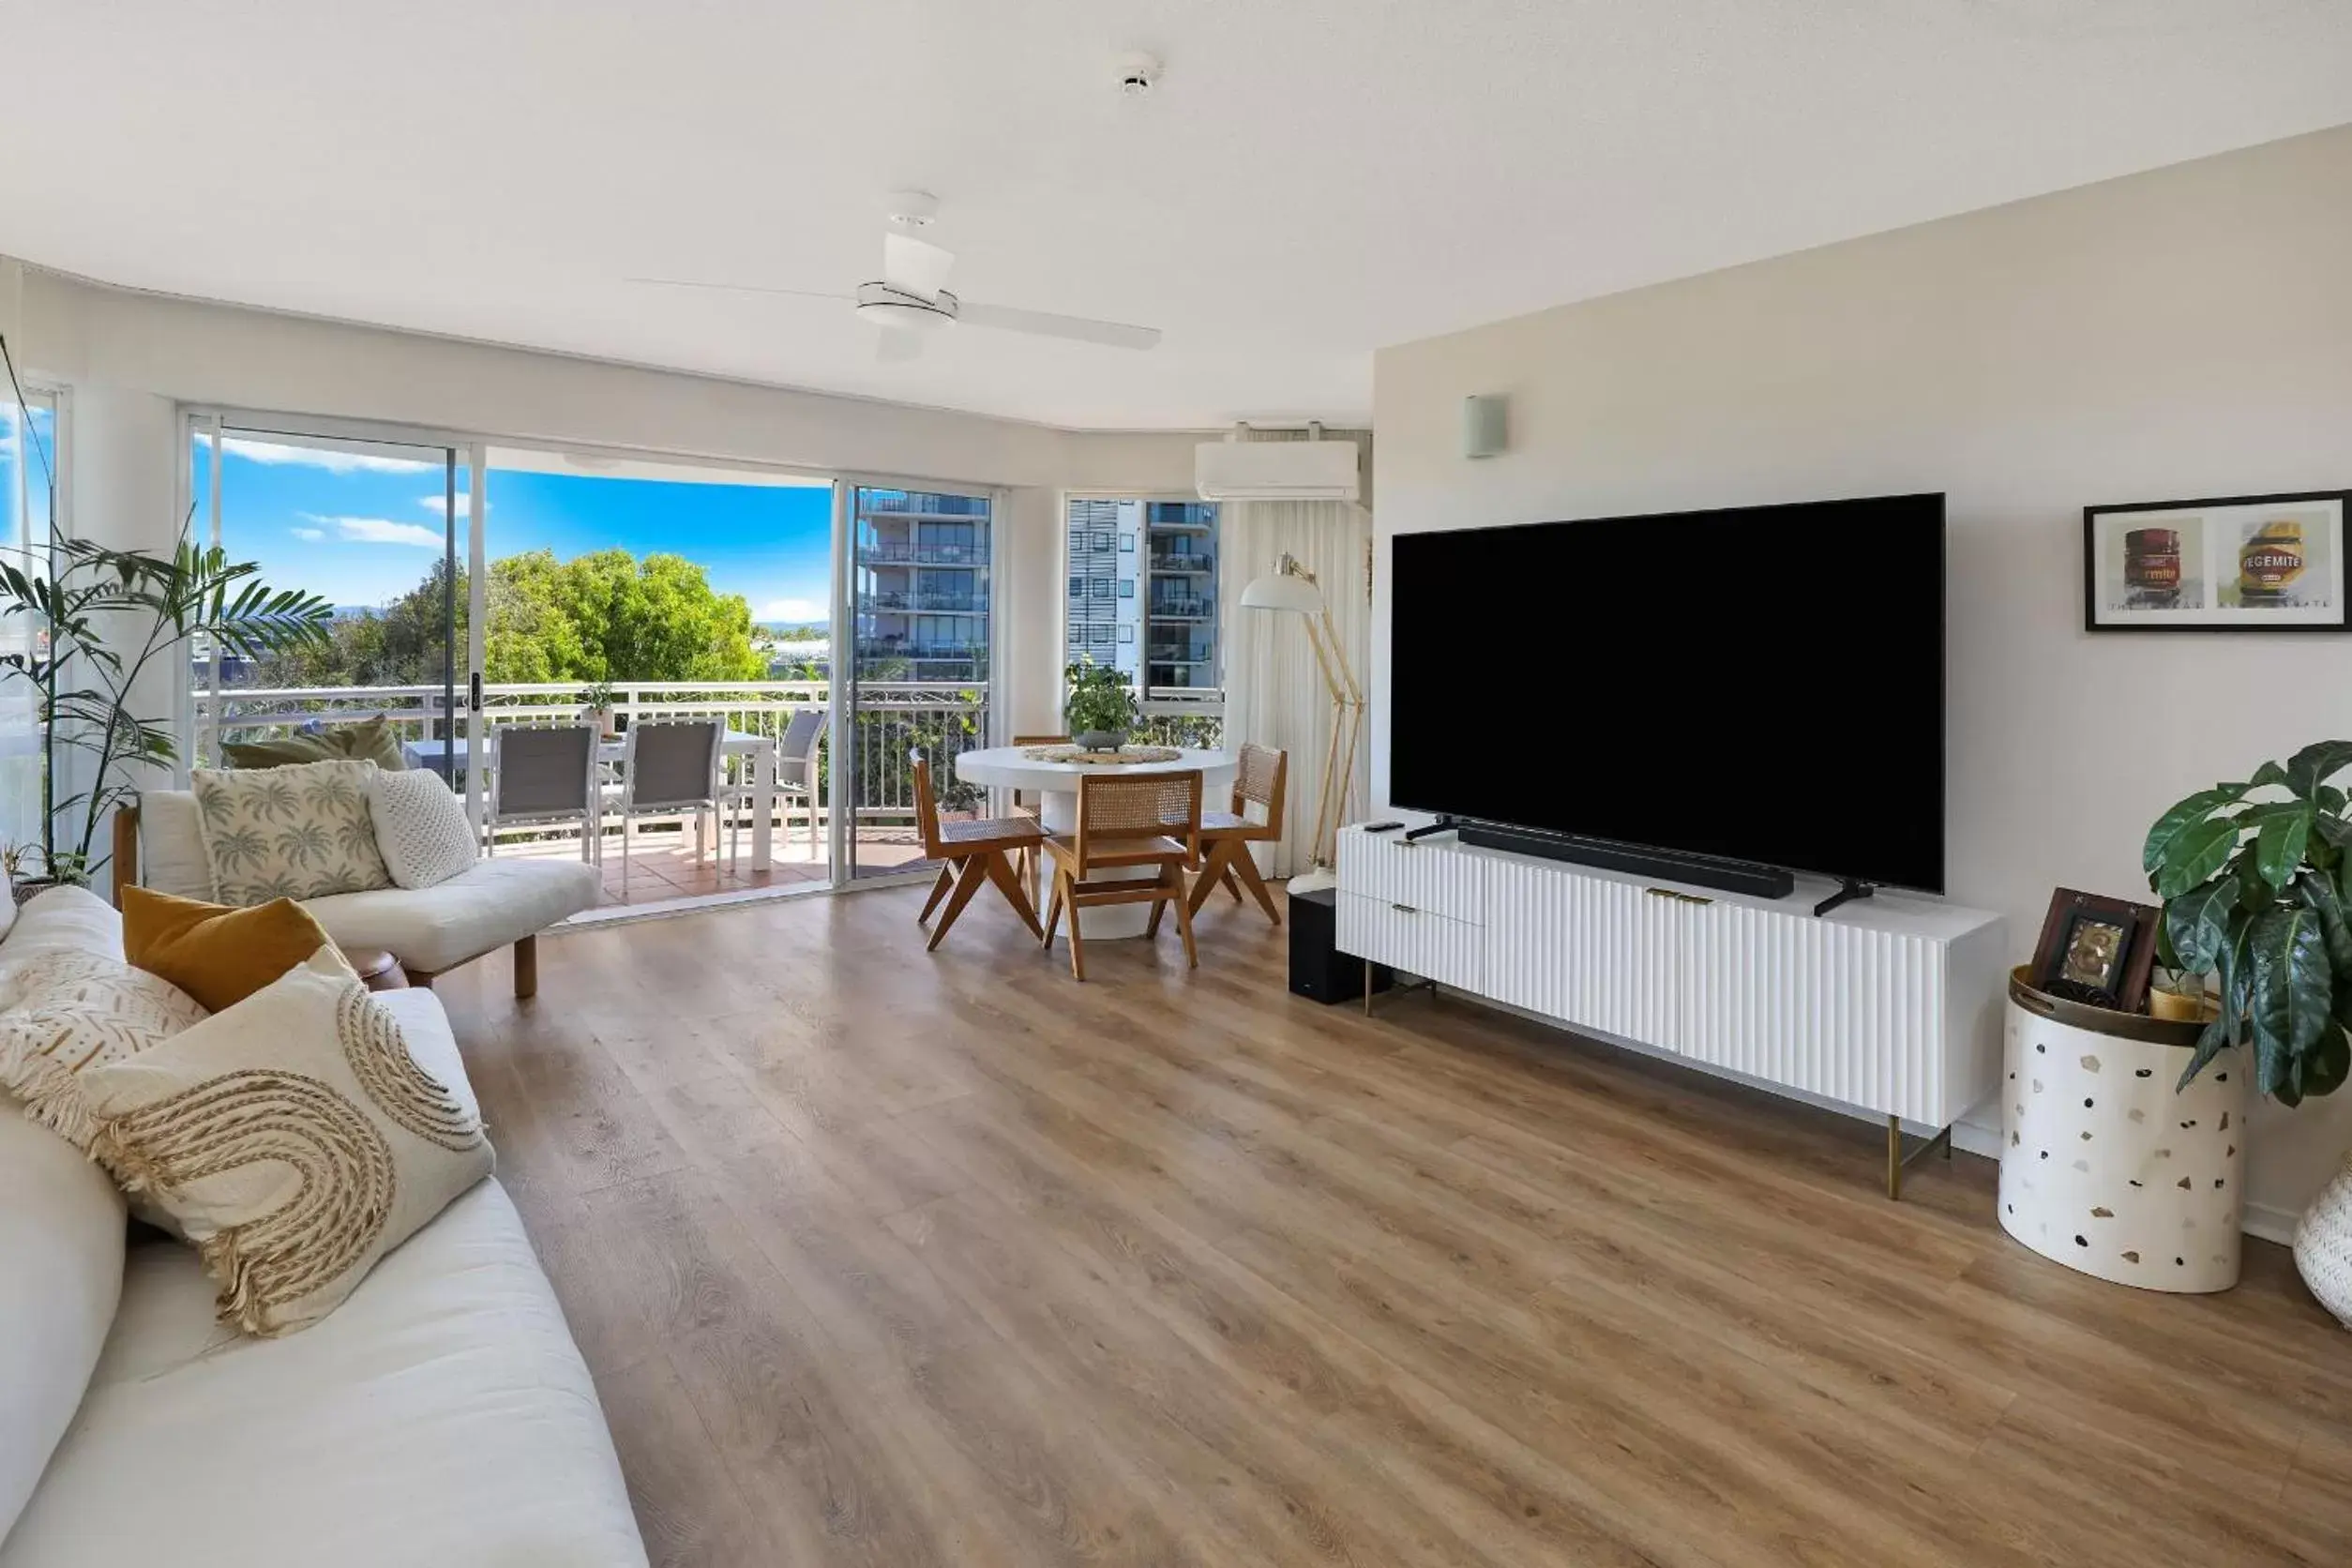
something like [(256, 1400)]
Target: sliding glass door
[(918, 623), (386, 531)]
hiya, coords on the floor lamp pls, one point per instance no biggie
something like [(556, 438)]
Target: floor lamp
[(1291, 588)]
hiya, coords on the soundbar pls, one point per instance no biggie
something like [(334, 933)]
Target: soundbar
[(1732, 876)]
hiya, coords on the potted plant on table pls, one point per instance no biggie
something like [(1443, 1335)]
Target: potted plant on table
[(1101, 707), (596, 703), (2257, 880)]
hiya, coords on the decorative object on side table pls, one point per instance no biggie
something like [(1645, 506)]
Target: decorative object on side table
[(1101, 707), (2254, 877), (1292, 589), (2253, 563), (2094, 950)]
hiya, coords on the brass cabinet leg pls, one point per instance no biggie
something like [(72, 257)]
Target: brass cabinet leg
[(1897, 1160)]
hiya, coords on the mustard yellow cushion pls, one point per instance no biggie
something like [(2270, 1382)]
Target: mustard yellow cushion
[(218, 955)]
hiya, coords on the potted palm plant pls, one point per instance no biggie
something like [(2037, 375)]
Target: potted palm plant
[(109, 616), (1101, 707), (2257, 880)]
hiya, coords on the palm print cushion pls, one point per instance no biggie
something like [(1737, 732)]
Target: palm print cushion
[(299, 832)]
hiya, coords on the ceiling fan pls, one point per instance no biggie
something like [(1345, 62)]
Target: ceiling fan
[(910, 299)]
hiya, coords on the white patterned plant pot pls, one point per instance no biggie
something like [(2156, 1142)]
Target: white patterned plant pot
[(2104, 1167)]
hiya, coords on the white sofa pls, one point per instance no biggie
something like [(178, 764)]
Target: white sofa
[(159, 844), (441, 1415)]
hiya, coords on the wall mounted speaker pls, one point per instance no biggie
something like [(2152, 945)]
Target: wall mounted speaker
[(1485, 427)]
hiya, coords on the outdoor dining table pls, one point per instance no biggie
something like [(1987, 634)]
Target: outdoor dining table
[(439, 755)]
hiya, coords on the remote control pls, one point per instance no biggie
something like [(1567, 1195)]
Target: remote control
[(1382, 827)]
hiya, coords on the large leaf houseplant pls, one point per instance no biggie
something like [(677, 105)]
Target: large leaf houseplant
[(2257, 890), (2257, 879), (103, 619)]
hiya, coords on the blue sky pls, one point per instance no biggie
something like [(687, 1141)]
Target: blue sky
[(362, 526)]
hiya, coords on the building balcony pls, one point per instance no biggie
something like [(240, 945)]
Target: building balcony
[(903, 552), (1195, 565)]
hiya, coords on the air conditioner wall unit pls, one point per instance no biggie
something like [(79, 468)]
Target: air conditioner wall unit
[(1277, 471)]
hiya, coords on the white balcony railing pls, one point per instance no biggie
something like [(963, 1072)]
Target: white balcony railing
[(893, 717)]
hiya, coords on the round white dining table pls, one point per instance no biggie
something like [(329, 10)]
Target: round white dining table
[(1055, 784)]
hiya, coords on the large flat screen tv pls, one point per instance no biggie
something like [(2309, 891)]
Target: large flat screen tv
[(1763, 684)]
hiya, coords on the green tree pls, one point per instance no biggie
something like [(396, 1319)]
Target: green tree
[(604, 616)]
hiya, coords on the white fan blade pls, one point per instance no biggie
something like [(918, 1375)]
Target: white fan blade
[(915, 266), (898, 345), (735, 288), (1045, 325)]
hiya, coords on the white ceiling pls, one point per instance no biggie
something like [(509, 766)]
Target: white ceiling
[(1312, 178)]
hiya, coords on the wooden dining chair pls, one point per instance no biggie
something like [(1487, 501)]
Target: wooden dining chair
[(970, 853), (1227, 836), (1151, 820), (1028, 860)]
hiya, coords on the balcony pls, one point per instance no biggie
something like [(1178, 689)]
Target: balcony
[(893, 716), (1183, 610), (906, 553), (902, 599)]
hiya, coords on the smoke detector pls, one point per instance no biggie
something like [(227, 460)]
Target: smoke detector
[(1138, 74), (912, 209)]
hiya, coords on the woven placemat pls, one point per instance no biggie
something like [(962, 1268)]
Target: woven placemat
[(1126, 756)]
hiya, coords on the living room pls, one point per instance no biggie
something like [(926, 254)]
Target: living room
[(848, 1203)]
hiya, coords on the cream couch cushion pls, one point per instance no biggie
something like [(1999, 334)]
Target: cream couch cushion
[(292, 1137), (432, 928), (61, 1269), (62, 920), (171, 845), (442, 1415), (421, 828)]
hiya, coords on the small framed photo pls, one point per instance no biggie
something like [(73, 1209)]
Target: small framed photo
[(2251, 563), (2095, 950)]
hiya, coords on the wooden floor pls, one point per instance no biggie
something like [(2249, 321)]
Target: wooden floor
[(897, 1260)]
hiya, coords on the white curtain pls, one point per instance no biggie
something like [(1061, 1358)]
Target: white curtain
[(1274, 693)]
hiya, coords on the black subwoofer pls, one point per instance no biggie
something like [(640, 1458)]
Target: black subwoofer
[(1318, 968)]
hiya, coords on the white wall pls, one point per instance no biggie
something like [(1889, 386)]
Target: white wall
[(133, 358), (2179, 334)]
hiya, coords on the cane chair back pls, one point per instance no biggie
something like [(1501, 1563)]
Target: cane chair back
[(1118, 815), (1262, 780)]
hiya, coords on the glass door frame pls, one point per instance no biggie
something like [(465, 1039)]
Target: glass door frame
[(841, 827), (463, 670)]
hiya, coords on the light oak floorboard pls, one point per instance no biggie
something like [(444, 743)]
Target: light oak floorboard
[(883, 1257)]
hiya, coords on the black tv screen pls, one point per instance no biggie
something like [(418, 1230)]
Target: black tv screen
[(1762, 683)]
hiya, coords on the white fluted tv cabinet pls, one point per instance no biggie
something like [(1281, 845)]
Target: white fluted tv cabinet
[(1888, 1004)]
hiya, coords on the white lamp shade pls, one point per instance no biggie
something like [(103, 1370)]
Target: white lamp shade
[(1276, 591)]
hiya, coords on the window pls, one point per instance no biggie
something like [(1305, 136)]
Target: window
[(1126, 544), (28, 461), (1102, 589), (1102, 541), (1126, 634), (1077, 585), (1126, 587)]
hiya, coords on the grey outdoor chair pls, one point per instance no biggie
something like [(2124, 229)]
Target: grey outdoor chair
[(545, 773), (670, 767), (795, 776)]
